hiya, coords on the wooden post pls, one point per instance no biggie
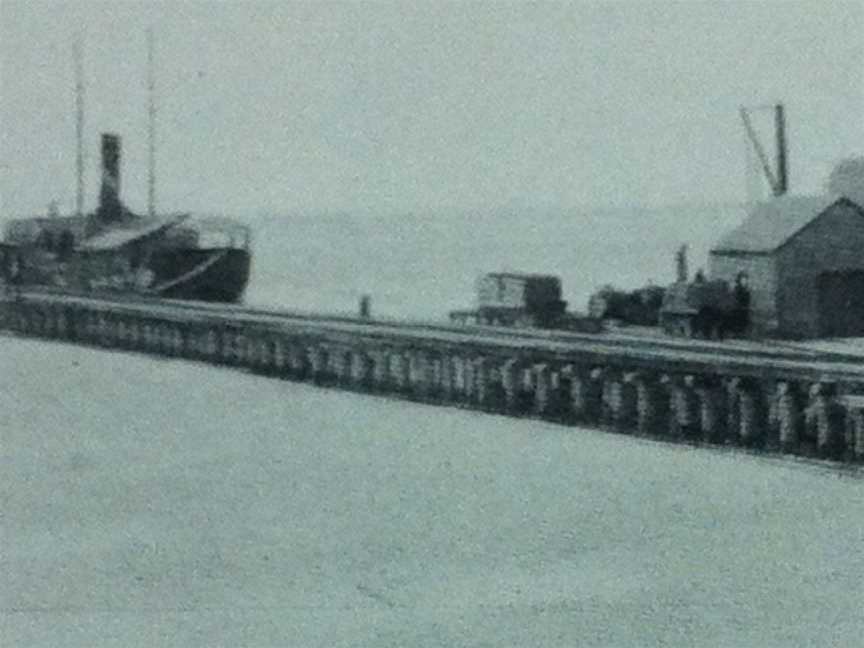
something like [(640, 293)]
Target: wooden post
[(592, 395), (361, 369), (711, 400), (825, 414), (447, 377), (790, 416), (752, 417), (380, 369), (855, 422), (542, 388), (684, 408), (317, 359), (652, 405), (627, 411), (510, 384)]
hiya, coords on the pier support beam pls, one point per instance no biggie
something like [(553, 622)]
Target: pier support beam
[(790, 416), (298, 362), (587, 395), (494, 397), (543, 401), (362, 369), (62, 324), (212, 349), (620, 400), (469, 386), (684, 411), (318, 360), (446, 377), (566, 376), (133, 334), (625, 414), (148, 335), (178, 341), (652, 405), (559, 408), (340, 365), (47, 328), (161, 337), (748, 416), (578, 377), (280, 357), (422, 374), (855, 427), (510, 372), (226, 344), (380, 369), (481, 375), (458, 377), (400, 372), (825, 415), (255, 352), (101, 338), (711, 403), (242, 352)]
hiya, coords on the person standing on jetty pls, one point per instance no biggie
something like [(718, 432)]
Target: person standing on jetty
[(742, 303), (12, 276)]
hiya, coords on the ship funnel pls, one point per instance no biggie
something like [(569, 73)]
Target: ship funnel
[(109, 195)]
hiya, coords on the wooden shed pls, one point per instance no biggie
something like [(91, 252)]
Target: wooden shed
[(803, 258)]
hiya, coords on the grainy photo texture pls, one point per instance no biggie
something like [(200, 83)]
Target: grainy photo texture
[(423, 324)]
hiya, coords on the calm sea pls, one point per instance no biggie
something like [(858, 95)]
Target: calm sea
[(423, 265)]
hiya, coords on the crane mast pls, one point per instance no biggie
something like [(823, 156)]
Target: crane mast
[(777, 176)]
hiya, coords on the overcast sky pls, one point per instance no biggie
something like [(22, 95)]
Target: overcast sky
[(285, 106)]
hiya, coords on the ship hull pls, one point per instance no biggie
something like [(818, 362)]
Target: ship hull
[(216, 275), (223, 279)]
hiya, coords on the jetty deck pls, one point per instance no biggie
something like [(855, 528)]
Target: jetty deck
[(776, 397)]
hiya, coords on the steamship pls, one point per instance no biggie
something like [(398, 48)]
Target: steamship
[(113, 249)]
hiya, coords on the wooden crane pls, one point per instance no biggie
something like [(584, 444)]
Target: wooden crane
[(778, 177)]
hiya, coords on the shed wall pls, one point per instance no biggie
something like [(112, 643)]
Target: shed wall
[(833, 242)]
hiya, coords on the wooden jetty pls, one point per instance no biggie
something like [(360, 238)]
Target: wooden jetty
[(762, 396)]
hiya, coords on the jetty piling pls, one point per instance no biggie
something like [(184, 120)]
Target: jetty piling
[(789, 404)]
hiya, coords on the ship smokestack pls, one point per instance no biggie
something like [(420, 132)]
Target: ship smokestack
[(109, 195)]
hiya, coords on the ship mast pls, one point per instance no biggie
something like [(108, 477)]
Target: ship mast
[(79, 127), (151, 126)]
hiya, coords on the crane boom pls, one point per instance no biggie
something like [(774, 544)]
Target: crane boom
[(760, 152), (778, 180)]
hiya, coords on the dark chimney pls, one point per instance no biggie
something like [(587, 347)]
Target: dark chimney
[(782, 172), (109, 195)]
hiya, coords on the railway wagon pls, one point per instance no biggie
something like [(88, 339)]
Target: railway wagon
[(520, 300)]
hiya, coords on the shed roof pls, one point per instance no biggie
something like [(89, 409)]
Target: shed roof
[(770, 224)]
